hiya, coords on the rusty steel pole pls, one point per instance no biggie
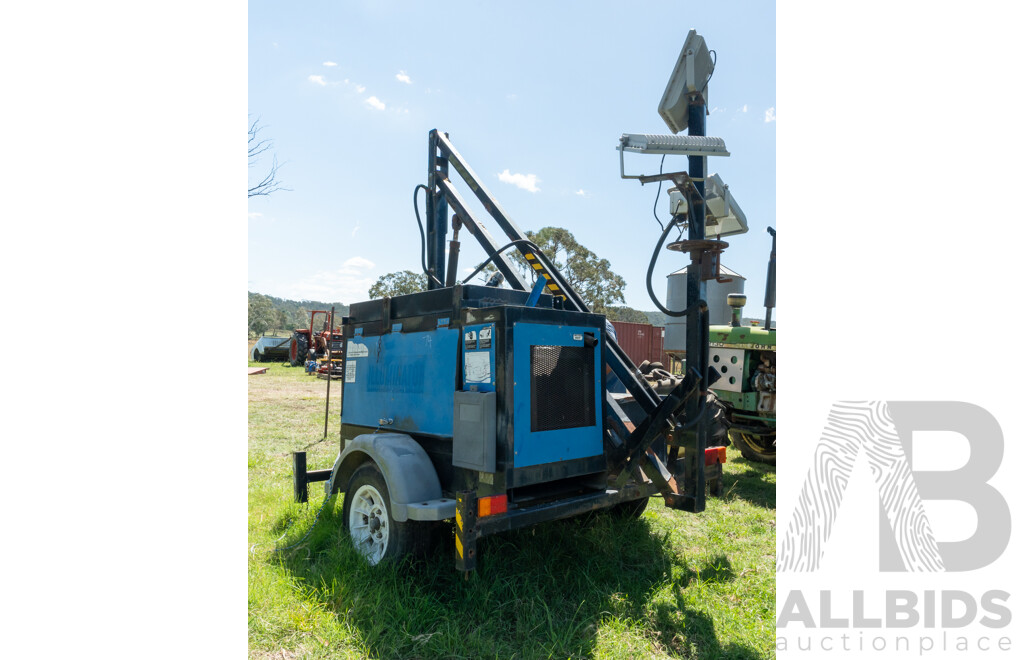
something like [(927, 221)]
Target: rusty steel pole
[(330, 368)]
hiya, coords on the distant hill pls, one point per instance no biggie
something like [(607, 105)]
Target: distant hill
[(293, 306), (656, 318), (270, 314)]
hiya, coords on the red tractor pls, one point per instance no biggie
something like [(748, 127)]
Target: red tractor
[(309, 339)]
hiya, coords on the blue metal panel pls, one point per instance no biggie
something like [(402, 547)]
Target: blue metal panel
[(537, 448), (538, 288), (409, 378), (478, 359)]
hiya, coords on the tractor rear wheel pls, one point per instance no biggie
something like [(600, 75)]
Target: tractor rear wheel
[(298, 350), (759, 447)]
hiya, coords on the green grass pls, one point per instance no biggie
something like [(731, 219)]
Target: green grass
[(670, 584)]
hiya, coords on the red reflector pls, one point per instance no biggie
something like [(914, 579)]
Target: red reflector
[(489, 506), (713, 455)]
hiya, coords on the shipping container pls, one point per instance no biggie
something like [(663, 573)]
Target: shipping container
[(658, 353), (641, 341)]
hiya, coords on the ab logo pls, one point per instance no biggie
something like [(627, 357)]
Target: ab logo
[(882, 431)]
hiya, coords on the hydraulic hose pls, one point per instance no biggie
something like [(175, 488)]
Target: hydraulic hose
[(423, 236), (521, 241)]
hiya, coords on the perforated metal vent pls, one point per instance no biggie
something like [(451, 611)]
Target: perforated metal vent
[(561, 387)]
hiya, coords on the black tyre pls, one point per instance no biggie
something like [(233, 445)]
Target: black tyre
[(367, 517), (759, 447), (298, 350)]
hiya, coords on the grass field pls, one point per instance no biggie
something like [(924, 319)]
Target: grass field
[(670, 584)]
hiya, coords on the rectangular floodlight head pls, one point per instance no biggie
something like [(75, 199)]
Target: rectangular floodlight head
[(678, 145), (688, 83), (722, 214)]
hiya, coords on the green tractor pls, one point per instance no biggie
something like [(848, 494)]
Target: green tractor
[(745, 357)]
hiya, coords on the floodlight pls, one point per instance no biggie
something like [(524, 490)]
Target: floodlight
[(722, 214), (676, 145), (688, 83)]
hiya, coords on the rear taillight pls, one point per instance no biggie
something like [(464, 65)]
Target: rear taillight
[(713, 455), (488, 506)]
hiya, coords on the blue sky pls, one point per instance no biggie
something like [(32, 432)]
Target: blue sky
[(534, 97)]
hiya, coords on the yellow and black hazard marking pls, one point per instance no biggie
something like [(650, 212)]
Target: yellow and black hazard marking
[(535, 263), (465, 531)]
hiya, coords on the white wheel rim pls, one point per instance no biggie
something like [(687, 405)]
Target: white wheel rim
[(368, 523)]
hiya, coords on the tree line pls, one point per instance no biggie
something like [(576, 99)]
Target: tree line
[(592, 277), (269, 314)]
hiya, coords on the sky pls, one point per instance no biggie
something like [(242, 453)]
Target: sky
[(534, 101)]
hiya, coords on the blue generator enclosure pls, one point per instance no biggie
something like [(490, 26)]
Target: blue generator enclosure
[(408, 379), (557, 393)]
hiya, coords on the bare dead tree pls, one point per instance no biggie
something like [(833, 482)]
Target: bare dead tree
[(258, 146)]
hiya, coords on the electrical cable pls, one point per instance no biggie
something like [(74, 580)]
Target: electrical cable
[(650, 289), (661, 168), (423, 236), (527, 243), (553, 272), (316, 519), (714, 62)]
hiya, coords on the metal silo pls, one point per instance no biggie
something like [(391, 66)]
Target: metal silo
[(718, 308)]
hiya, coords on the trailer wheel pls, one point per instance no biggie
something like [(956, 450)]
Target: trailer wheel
[(367, 517), (755, 447)]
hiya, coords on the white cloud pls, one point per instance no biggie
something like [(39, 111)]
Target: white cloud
[(359, 89), (744, 108), (524, 181), (511, 97), (581, 192), (353, 264), (255, 215), (330, 63), (319, 80), (716, 109), (354, 230), (769, 114), (402, 76), (347, 284), (375, 103)]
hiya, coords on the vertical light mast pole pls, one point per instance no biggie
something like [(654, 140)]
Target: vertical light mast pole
[(696, 290)]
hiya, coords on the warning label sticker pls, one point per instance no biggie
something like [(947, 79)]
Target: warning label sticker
[(350, 371), (478, 367), (355, 350)]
